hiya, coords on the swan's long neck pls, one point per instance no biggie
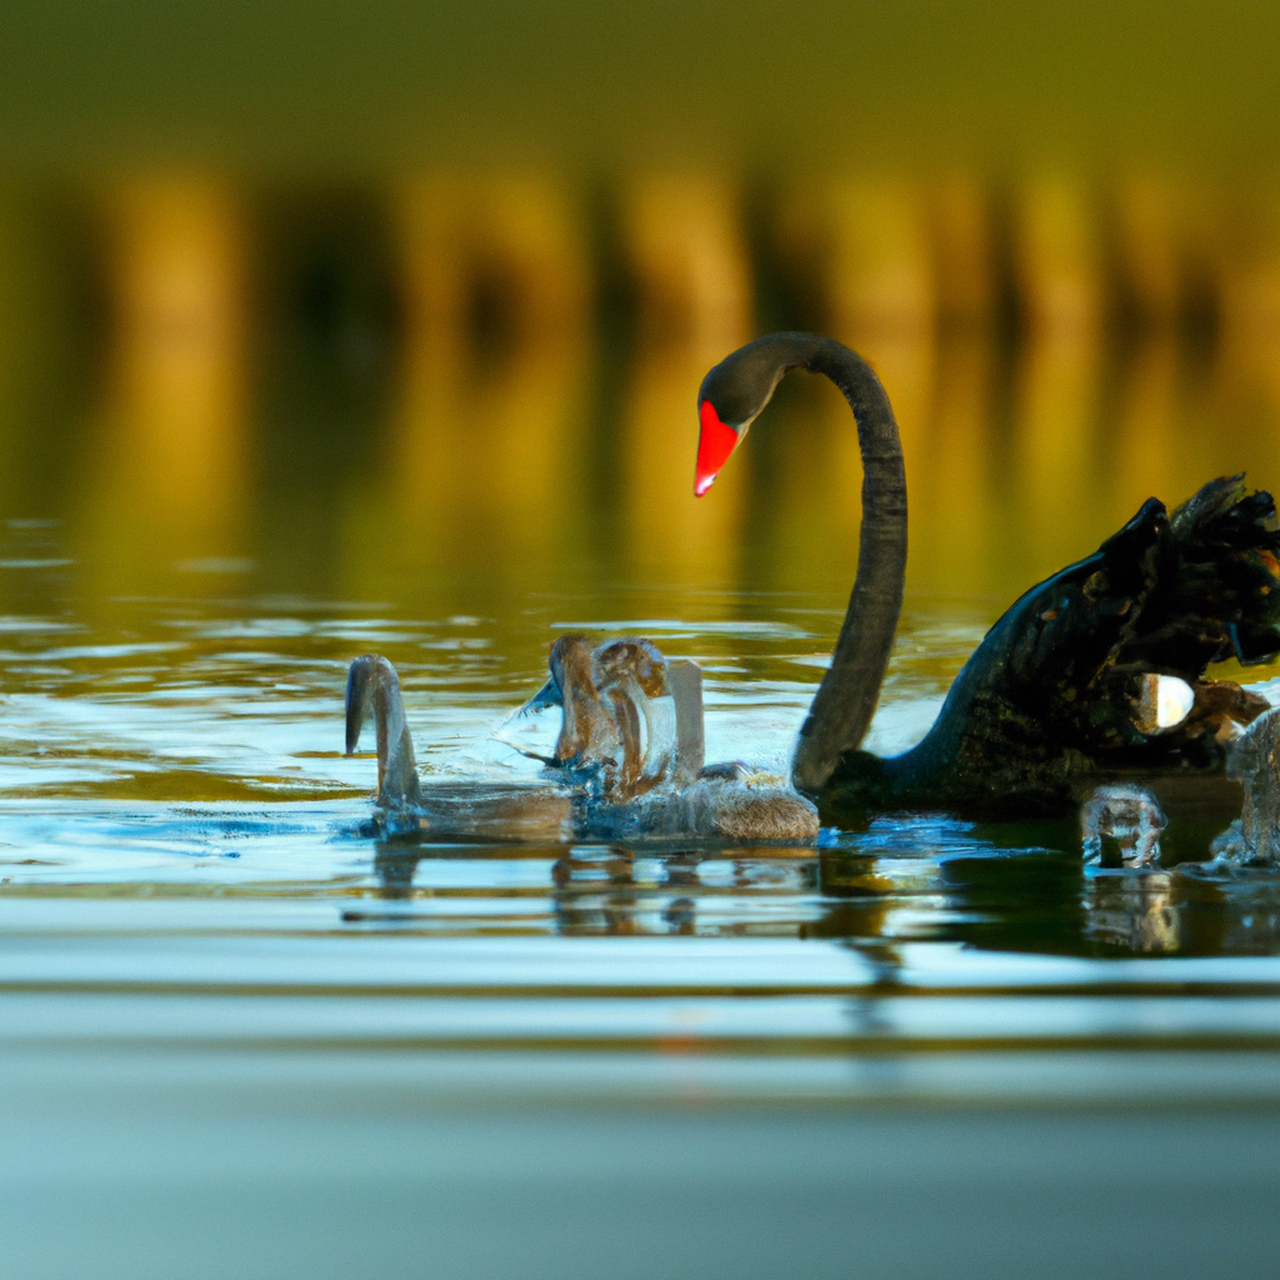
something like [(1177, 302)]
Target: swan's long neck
[(846, 700), (373, 685)]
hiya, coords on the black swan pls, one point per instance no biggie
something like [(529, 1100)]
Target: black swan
[(1065, 690)]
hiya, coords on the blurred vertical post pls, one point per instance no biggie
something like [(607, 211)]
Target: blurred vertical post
[(864, 245), (170, 463), (38, 349), (1058, 269), (1247, 386), (685, 248), (952, 498), (485, 446), (1152, 262), (868, 243)]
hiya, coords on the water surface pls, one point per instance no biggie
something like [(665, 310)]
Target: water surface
[(186, 861)]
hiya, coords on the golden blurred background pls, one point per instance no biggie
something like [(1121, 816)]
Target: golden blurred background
[(411, 302)]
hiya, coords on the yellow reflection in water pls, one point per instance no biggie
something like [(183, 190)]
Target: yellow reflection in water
[(168, 467), (964, 253), (880, 270), (1237, 417), (867, 246), (1251, 287), (507, 253), (1147, 447), (1152, 235), (1137, 353), (1058, 258), (1053, 468), (809, 489), (32, 338), (482, 475), (684, 244), (955, 533)]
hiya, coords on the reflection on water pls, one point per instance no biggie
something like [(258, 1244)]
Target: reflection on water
[(486, 427), (167, 456), (370, 391)]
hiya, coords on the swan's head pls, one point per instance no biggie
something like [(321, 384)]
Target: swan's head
[(636, 658), (730, 399), (571, 664), (370, 681)]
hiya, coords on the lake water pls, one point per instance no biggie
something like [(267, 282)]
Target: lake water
[(227, 1009), (242, 1036)]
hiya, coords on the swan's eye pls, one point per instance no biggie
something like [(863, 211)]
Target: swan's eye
[(716, 441)]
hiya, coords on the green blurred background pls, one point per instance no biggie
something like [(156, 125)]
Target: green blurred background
[(358, 88)]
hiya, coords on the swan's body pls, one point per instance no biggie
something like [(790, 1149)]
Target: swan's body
[(463, 810), (613, 793), (1051, 702), (683, 799), (723, 803)]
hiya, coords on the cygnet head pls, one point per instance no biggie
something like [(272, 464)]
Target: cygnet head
[(588, 733), (635, 680), (571, 662), (636, 657)]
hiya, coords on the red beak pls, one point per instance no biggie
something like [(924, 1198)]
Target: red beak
[(716, 441)]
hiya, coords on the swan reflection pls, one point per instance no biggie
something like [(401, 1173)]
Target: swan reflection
[(879, 905), (597, 890), (1135, 912)]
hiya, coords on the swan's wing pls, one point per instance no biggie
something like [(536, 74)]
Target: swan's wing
[(1067, 662), (1036, 669), (1223, 598)]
